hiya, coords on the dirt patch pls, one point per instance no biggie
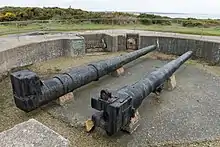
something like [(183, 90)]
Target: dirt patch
[(64, 63), (161, 56)]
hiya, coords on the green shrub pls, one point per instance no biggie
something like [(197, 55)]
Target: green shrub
[(161, 22), (148, 19), (192, 23), (79, 16), (8, 16), (211, 22)]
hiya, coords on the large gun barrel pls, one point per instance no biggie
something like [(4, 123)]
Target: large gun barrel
[(30, 92), (118, 107)]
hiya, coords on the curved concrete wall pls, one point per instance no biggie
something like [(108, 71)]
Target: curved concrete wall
[(31, 53), (53, 47), (40, 51), (177, 45), (205, 47), (207, 50)]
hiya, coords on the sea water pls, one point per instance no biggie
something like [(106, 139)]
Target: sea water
[(189, 15)]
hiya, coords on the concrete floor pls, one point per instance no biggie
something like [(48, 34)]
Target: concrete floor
[(190, 112), (187, 114)]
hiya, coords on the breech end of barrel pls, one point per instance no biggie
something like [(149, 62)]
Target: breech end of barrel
[(26, 87), (114, 112)]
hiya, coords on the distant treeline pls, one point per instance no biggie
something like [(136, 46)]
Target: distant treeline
[(78, 15)]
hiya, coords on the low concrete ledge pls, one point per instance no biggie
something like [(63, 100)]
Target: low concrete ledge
[(206, 50), (204, 47), (29, 50), (34, 52), (111, 43), (32, 134), (95, 42)]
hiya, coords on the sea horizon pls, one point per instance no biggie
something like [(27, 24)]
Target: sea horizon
[(187, 15), (175, 14)]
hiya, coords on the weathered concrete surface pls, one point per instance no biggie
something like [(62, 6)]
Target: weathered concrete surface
[(111, 43), (188, 113), (12, 41), (97, 42), (26, 50), (93, 42), (205, 47), (36, 51), (121, 42), (158, 34), (74, 47), (31, 134), (207, 50)]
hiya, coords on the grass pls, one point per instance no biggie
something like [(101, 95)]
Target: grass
[(175, 28)]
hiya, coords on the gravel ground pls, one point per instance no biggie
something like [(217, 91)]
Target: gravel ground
[(187, 116)]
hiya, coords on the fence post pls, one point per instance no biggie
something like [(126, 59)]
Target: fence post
[(112, 25), (135, 25), (18, 36)]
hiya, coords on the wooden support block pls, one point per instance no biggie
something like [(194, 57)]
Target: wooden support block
[(118, 72), (134, 123), (170, 84), (89, 124), (65, 99)]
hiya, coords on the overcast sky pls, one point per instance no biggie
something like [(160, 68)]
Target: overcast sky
[(177, 6)]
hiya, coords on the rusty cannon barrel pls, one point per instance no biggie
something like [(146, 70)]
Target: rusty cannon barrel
[(117, 108), (30, 92)]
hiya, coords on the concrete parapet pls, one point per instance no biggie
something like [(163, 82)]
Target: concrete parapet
[(93, 42), (109, 42), (30, 53), (121, 42), (207, 50), (34, 49), (115, 43), (40, 51), (74, 47)]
